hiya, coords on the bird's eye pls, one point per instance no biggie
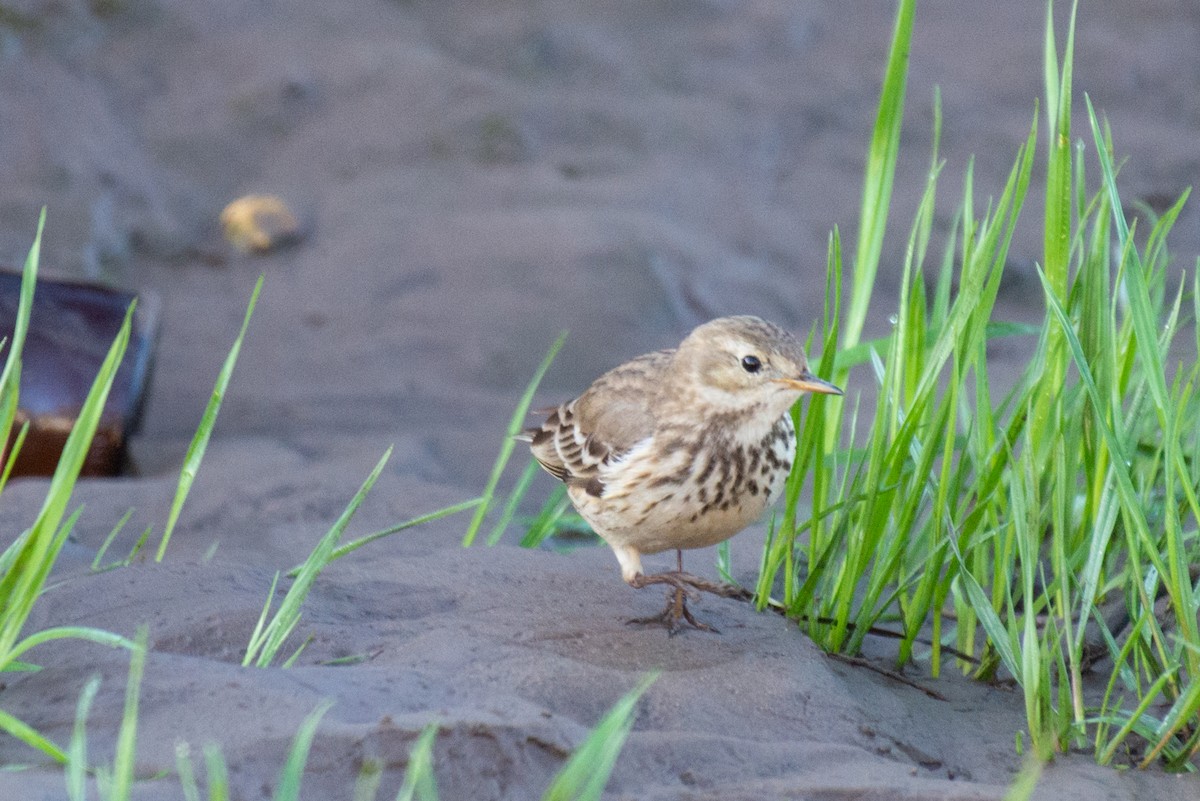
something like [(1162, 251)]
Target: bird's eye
[(751, 364)]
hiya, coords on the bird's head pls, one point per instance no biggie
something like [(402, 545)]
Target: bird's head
[(745, 362)]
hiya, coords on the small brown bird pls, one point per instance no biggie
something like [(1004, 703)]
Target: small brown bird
[(681, 448)]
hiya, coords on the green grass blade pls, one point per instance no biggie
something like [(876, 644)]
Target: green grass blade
[(290, 777), (71, 632), (515, 426), (216, 773), (514, 500), (288, 615), (22, 731), (1149, 695), (187, 776), (8, 556), (1058, 175), (992, 625), (880, 172), (21, 585), (370, 776), (1025, 783), (135, 549), (1180, 718), (195, 451), (420, 784), (1134, 511), (124, 759), (1050, 78), (14, 452), (256, 637), (77, 767), (429, 517), (1143, 317), (587, 772), (1102, 531), (112, 535), (291, 660), (548, 519), (10, 377)]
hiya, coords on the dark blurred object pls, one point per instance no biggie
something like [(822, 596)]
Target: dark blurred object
[(72, 326)]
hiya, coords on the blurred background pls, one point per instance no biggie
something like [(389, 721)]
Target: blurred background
[(469, 178)]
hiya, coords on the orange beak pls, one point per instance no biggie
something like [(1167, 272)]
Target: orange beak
[(807, 382)]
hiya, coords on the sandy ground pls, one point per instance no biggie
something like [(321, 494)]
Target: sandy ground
[(474, 178)]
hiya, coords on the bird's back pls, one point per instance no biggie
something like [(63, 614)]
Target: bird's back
[(605, 422)]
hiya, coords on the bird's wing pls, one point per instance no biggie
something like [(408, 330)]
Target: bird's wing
[(581, 436)]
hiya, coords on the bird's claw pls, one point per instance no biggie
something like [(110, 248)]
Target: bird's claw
[(674, 615)]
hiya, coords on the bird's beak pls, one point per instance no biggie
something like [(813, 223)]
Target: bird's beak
[(807, 382)]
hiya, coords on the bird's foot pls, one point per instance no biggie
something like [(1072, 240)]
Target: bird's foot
[(674, 615)]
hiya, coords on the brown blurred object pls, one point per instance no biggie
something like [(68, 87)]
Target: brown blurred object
[(259, 223), (71, 328)]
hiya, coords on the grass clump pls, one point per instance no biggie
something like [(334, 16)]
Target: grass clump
[(268, 636), (26, 563), (515, 425), (582, 778), (1006, 527), (114, 782)]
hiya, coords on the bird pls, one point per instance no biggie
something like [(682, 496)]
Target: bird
[(681, 448)]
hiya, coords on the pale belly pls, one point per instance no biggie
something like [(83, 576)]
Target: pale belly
[(701, 506), (665, 525)]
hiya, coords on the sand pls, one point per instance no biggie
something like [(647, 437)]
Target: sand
[(474, 178)]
